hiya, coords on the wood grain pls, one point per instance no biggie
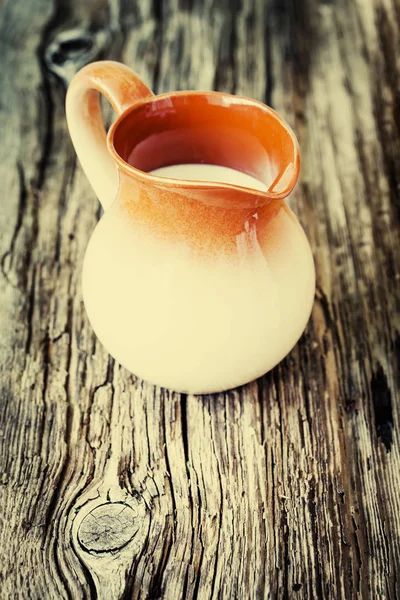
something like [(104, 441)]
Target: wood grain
[(285, 488)]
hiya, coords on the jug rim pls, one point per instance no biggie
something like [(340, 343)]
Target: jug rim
[(176, 183)]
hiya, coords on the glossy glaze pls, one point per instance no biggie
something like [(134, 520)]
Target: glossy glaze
[(196, 286)]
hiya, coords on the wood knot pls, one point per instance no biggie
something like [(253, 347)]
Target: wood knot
[(107, 528), (70, 50)]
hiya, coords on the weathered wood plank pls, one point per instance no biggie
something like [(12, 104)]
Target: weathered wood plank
[(287, 487)]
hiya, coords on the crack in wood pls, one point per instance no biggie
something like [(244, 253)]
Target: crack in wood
[(382, 403)]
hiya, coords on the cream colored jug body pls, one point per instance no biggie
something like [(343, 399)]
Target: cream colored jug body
[(194, 285)]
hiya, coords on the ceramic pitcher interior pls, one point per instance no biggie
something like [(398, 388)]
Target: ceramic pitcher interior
[(209, 128)]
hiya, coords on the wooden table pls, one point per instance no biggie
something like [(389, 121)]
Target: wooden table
[(286, 488)]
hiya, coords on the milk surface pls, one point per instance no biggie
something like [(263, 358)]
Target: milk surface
[(211, 173)]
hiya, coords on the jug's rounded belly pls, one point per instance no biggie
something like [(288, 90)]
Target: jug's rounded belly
[(190, 325)]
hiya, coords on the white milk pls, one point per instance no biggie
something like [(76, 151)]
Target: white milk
[(197, 325), (213, 173)]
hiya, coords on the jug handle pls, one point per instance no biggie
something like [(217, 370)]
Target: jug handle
[(122, 87)]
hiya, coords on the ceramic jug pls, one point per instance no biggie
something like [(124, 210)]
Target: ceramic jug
[(197, 286)]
